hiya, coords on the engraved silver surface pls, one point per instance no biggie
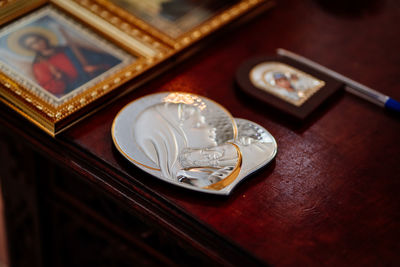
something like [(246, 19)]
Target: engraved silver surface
[(191, 141), (257, 145)]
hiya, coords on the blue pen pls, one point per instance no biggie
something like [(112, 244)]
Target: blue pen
[(351, 86)]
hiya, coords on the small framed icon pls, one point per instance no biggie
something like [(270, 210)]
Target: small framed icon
[(286, 84)]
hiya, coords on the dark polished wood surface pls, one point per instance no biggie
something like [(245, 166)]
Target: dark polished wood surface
[(331, 196)]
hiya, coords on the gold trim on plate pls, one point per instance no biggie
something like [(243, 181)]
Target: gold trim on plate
[(231, 177)]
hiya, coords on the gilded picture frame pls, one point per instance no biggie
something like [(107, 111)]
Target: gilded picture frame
[(122, 18), (51, 88)]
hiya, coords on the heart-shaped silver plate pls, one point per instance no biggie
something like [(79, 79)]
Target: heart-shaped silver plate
[(191, 141)]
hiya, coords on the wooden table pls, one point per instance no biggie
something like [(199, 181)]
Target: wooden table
[(331, 196)]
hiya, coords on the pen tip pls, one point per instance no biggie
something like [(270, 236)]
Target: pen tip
[(392, 105)]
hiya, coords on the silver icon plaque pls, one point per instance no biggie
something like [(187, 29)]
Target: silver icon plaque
[(191, 141)]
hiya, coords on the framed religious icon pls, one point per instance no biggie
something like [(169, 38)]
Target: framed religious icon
[(176, 23), (286, 84), (53, 68)]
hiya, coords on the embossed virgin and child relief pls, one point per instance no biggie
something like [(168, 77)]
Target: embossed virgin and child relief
[(191, 141)]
